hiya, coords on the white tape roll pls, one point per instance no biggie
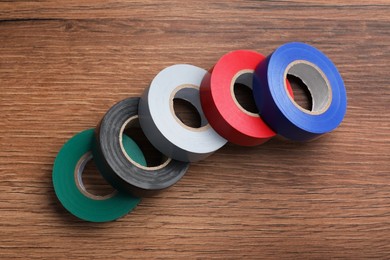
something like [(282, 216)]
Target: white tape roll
[(160, 124)]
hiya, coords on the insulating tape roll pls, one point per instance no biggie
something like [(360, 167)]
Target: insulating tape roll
[(121, 170), (161, 126), (220, 105), (322, 79), (69, 188)]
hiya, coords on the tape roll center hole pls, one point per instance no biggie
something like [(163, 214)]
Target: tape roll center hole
[(312, 92), (90, 182), (187, 107), (186, 113), (243, 94), (301, 92), (153, 157)]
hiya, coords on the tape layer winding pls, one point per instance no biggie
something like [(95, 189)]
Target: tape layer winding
[(90, 208), (220, 105), (323, 81), (160, 124), (117, 169)]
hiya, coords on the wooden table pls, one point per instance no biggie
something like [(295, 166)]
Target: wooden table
[(64, 63)]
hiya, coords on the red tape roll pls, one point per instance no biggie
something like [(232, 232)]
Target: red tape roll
[(220, 105)]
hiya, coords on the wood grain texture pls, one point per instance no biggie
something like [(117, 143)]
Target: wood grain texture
[(62, 65)]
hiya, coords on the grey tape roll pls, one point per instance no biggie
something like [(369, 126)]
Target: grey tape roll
[(160, 124), (118, 168)]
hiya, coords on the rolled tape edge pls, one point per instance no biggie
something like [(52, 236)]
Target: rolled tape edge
[(72, 198), (281, 117), (122, 173), (178, 142), (216, 119)]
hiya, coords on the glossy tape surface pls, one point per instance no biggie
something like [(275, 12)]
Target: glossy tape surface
[(72, 198), (160, 124), (278, 109), (220, 105), (117, 168)]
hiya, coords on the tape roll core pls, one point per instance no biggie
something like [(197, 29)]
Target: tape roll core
[(189, 93), (244, 77), (79, 169), (316, 82), (128, 123)]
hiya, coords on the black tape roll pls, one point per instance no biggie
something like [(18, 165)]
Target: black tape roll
[(118, 168)]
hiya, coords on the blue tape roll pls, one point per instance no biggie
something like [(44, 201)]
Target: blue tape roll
[(278, 108)]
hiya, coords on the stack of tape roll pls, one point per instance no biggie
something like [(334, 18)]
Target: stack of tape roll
[(121, 162)]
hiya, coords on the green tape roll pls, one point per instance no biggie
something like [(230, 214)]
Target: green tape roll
[(70, 190)]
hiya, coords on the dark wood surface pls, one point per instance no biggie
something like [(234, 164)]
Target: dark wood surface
[(64, 63)]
